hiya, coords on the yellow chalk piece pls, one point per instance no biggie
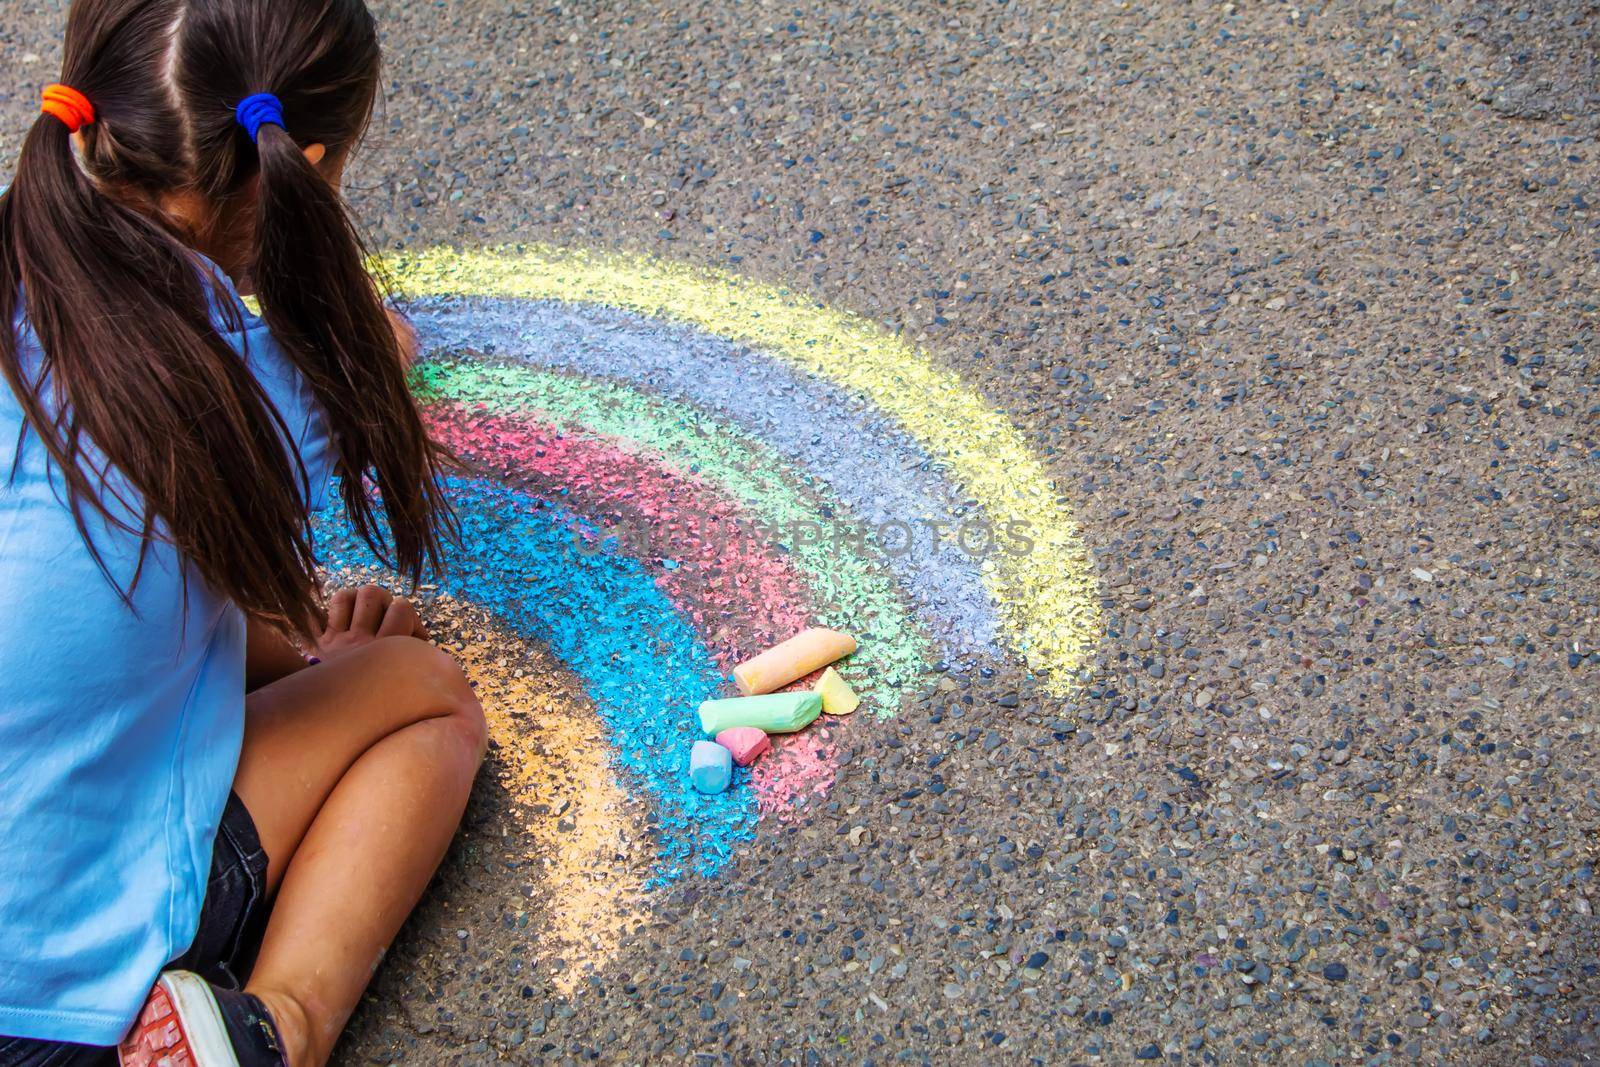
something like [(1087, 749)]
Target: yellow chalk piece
[(837, 696), (795, 658), (1042, 580)]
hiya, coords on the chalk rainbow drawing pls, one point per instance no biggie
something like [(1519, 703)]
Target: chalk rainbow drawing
[(670, 468)]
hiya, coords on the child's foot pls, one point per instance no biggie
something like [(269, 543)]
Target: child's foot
[(291, 1024), (186, 1022)]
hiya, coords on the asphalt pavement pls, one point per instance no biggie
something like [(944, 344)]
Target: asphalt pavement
[(1297, 305)]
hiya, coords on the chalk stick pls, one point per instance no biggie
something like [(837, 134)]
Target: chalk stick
[(775, 713), (747, 744), (837, 696), (795, 658), (710, 767)]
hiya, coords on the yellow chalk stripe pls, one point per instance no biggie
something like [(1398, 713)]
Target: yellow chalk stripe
[(1047, 596)]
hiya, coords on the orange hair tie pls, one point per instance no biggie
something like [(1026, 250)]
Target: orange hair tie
[(68, 105)]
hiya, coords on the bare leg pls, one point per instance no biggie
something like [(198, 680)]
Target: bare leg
[(356, 772)]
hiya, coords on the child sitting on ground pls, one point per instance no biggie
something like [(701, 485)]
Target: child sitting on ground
[(207, 840)]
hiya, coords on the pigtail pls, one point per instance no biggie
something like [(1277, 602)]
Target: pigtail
[(153, 420), (150, 418), (325, 309)]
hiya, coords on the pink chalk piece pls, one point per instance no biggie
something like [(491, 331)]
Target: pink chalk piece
[(720, 564), (747, 744)]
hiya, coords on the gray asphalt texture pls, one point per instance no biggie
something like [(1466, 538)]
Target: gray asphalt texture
[(1300, 304)]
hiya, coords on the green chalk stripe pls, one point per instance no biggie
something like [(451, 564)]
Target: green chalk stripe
[(851, 593)]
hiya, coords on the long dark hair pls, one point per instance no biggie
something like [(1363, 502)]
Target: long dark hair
[(136, 381)]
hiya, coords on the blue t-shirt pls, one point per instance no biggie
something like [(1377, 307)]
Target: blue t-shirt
[(119, 730)]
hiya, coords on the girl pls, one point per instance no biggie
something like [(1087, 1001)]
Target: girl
[(205, 842)]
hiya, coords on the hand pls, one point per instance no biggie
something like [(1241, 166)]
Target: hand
[(358, 617)]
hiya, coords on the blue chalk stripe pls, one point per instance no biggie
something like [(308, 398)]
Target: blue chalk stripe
[(862, 455), (604, 617)]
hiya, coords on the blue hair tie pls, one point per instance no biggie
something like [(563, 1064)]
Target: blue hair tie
[(261, 109)]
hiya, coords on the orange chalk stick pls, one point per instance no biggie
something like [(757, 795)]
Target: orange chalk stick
[(795, 658)]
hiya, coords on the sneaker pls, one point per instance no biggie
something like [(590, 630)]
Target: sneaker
[(187, 1022)]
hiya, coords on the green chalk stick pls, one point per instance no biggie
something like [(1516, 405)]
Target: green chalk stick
[(775, 713)]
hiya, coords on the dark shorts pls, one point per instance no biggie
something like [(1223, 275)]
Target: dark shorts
[(232, 920)]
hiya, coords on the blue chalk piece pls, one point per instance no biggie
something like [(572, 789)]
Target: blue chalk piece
[(710, 767)]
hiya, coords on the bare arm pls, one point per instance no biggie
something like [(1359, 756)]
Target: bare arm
[(268, 656)]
